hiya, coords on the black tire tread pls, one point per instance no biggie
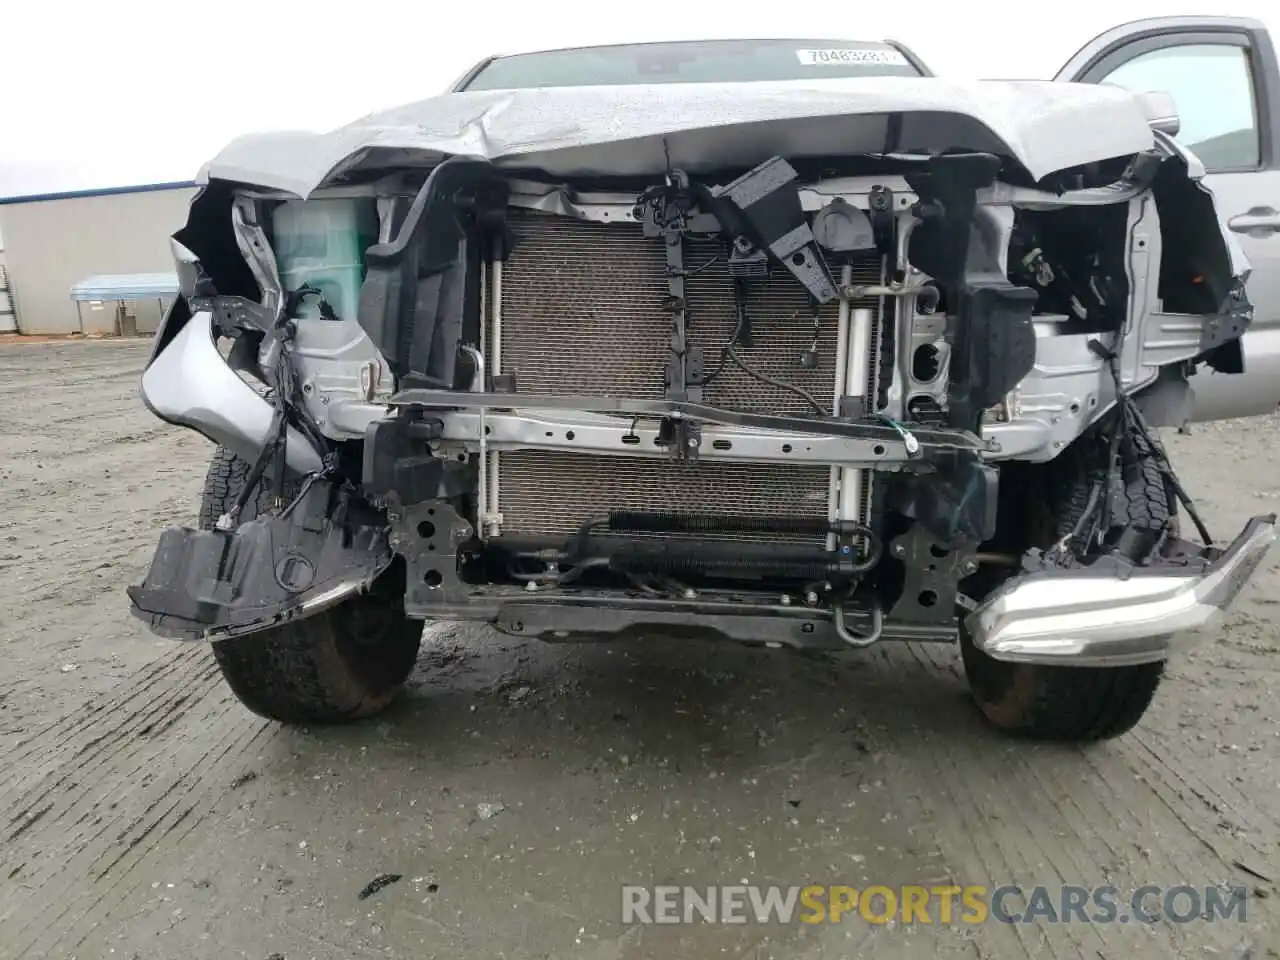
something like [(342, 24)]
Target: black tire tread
[(1140, 494), (341, 664), (1065, 704), (1094, 703), (1079, 704), (1141, 498)]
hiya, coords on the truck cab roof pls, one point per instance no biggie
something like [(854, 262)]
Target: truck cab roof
[(693, 61)]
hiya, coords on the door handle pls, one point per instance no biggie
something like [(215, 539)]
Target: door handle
[(1256, 222)]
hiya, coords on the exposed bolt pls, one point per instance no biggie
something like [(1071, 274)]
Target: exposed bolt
[(692, 442), (899, 550), (690, 593), (811, 598), (531, 586), (970, 566), (786, 600), (994, 446)]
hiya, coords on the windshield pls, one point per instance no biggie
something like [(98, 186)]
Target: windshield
[(706, 61)]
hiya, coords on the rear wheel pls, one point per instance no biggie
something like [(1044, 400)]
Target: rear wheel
[(1078, 704), (341, 664)]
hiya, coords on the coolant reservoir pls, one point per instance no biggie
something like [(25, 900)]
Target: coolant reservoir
[(322, 243)]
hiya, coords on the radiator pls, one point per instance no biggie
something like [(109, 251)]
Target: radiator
[(582, 312)]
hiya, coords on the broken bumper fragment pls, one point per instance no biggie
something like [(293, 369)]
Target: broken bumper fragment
[(1084, 617), (213, 583)]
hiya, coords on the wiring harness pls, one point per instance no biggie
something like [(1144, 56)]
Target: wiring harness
[(286, 401), (1090, 529)]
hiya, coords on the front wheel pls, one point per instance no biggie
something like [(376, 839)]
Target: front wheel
[(1079, 704), (341, 664)]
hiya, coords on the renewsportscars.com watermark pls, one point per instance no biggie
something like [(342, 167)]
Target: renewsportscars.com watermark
[(967, 905)]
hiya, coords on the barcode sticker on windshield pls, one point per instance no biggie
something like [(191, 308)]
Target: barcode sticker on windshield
[(845, 56)]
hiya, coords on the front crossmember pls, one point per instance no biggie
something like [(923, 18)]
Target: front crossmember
[(889, 442)]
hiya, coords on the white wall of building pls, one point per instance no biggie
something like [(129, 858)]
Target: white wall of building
[(53, 242)]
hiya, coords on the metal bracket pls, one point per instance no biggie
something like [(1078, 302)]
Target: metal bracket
[(428, 535), (664, 212), (683, 438), (693, 370), (932, 575), (853, 408), (1230, 322), (235, 313), (880, 212)]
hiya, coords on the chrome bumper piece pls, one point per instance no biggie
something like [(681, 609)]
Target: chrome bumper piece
[(1087, 618)]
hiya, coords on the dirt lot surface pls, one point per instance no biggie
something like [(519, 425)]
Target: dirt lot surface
[(515, 788)]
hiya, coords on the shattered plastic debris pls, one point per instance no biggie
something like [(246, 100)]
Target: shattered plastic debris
[(377, 883), (487, 811)]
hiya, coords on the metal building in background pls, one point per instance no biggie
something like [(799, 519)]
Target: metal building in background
[(8, 318), (54, 241)]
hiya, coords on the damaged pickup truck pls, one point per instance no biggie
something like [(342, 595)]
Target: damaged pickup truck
[(783, 342)]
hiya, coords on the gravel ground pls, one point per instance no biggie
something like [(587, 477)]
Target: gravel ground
[(516, 786)]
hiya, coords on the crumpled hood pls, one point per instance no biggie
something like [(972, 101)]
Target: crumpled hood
[(699, 127)]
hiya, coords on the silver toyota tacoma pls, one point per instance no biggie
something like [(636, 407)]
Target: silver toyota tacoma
[(785, 342)]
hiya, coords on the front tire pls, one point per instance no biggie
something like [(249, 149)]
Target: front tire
[(1072, 704), (344, 663), (1075, 704)]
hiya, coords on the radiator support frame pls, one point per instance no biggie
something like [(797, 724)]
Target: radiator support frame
[(935, 444)]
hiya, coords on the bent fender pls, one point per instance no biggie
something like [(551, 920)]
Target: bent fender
[(189, 384)]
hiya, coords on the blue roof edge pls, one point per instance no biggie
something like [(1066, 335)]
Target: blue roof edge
[(99, 192)]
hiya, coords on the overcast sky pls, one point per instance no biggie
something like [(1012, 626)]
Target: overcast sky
[(138, 91)]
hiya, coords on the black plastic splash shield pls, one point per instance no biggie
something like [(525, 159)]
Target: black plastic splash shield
[(211, 583)]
